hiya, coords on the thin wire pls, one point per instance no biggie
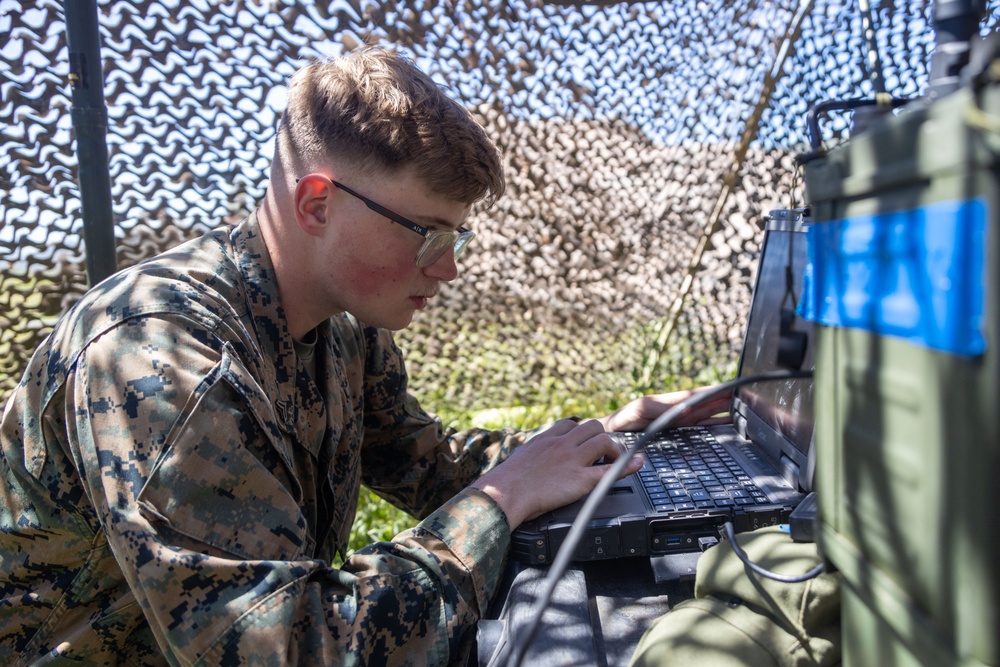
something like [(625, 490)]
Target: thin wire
[(783, 578), (580, 524)]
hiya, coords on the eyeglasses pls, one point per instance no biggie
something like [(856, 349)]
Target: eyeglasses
[(436, 242)]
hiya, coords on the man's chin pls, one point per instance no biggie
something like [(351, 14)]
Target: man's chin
[(392, 323), (398, 327)]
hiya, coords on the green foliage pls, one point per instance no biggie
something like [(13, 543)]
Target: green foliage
[(461, 368)]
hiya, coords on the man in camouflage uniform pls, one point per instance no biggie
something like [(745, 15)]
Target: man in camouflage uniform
[(182, 459)]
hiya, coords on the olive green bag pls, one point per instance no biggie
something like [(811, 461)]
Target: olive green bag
[(739, 618)]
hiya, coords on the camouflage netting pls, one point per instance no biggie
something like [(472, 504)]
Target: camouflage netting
[(643, 142)]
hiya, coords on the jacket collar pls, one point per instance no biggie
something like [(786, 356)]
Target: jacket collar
[(294, 395)]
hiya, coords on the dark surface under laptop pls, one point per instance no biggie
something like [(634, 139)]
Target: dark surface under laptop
[(752, 472)]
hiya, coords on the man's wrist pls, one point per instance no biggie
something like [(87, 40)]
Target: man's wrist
[(607, 422), (508, 500)]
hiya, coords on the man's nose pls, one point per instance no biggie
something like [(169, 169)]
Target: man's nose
[(444, 268)]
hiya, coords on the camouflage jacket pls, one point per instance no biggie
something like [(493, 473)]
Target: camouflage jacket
[(175, 484)]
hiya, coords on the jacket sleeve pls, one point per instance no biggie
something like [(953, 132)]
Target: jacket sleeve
[(201, 508)]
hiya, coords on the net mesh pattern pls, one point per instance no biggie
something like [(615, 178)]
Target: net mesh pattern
[(643, 143)]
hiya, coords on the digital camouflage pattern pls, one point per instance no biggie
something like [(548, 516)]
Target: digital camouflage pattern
[(175, 484)]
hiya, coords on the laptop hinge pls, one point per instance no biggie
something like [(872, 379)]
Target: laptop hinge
[(789, 470), (740, 425)]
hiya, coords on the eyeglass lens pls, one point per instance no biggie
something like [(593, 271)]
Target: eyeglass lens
[(436, 244)]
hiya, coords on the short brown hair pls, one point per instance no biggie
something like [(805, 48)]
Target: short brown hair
[(374, 109)]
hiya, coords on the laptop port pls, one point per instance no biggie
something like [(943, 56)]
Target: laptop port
[(670, 536)]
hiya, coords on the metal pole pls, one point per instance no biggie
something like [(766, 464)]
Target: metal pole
[(873, 60), (90, 122)]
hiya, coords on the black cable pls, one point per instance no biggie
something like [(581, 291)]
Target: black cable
[(580, 524), (783, 578), (812, 116)]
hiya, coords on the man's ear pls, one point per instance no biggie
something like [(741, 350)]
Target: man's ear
[(311, 197)]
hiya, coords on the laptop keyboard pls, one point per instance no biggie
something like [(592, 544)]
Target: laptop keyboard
[(691, 470)]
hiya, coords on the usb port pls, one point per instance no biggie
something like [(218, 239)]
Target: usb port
[(682, 535)]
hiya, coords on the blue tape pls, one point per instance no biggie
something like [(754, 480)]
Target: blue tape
[(916, 275)]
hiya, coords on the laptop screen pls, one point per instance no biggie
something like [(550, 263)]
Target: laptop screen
[(778, 415)]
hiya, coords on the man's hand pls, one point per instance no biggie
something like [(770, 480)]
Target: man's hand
[(641, 412), (552, 469)]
